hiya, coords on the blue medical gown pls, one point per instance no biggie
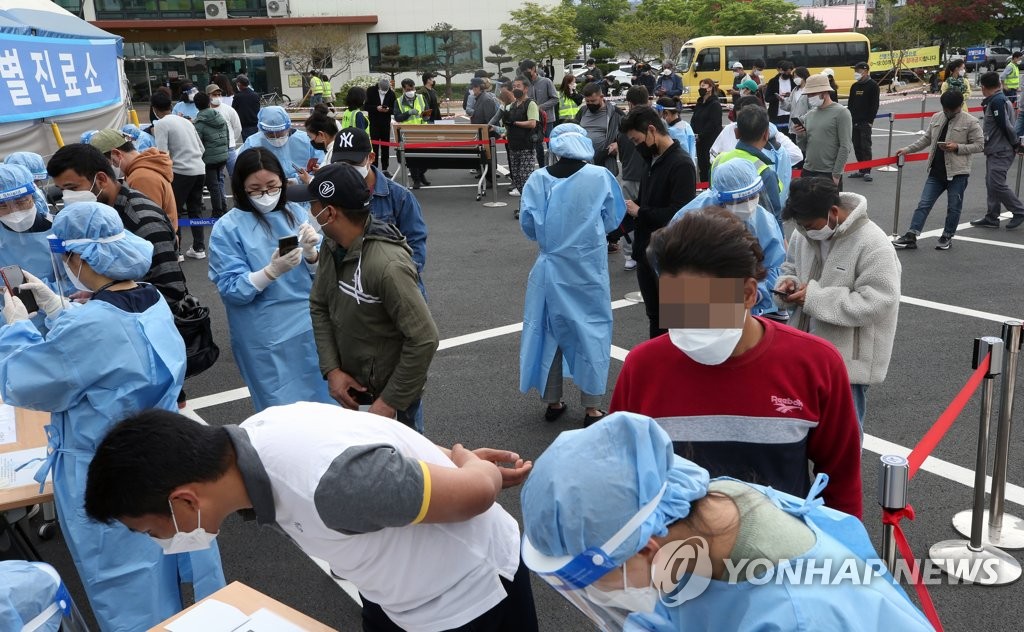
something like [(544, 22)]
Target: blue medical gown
[(880, 604), (26, 591), (187, 109), (783, 165), (144, 141), (568, 304), (765, 227), (271, 331), (96, 366), (683, 133), (297, 151)]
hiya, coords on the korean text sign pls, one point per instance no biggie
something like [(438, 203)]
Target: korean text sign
[(46, 76)]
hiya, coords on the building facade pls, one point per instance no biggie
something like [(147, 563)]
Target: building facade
[(171, 42)]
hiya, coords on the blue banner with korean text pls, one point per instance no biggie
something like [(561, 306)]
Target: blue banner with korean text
[(42, 77)]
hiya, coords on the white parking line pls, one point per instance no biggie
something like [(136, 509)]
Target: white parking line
[(955, 309), (990, 242)]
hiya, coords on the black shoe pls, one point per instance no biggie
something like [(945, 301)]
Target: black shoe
[(425, 182), (589, 420), (907, 242), (1015, 222), (856, 174), (868, 178), (415, 183), (515, 214), (552, 414), (945, 241), (985, 222)]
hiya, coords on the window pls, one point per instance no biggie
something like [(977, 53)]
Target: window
[(73, 6), (746, 55), (855, 52), (416, 45), (826, 54), (774, 53), (685, 57), (156, 9), (709, 60)]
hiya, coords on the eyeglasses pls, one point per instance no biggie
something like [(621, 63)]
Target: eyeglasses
[(20, 204), (267, 191)]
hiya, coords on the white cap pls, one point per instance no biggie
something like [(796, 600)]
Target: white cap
[(737, 65), (828, 72)]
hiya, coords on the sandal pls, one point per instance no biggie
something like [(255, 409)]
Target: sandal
[(589, 419), (552, 413)]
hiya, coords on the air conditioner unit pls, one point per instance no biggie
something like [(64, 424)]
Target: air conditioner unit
[(277, 8), (216, 9)]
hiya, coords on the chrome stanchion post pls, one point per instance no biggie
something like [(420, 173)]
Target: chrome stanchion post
[(892, 495), (924, 101), (1020, 163), (401, 159), (889, 168), (900, 161), (494, 176), (973, 561)]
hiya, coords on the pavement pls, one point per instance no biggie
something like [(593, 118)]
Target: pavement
[(478, 262)]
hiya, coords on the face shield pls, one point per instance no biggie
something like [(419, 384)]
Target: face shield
[(57, 252), (598, 585), (742, 202)]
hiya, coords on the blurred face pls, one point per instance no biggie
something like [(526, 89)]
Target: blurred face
[(697, 301), (24, 203), (595, 99)]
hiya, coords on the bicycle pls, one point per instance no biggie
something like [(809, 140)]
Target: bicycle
[(273, 98)]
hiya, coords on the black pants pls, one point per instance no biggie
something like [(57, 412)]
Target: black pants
[(249, 131), (213, 185), (807, 173), (540, 146), (704, 143), (188, 197), (647, 279), (515, 613), (382, 156), (862, 143)]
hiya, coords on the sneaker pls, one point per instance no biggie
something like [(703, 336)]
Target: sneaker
[(868, 178), (514, 192), (907, 242), (181, 257), (1015, 222), (856, 174), (630, 264), (985, 222), (945, 241), (195, 254)]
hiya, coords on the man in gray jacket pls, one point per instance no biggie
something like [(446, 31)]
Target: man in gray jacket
[(543, 93), (952, 136), (841, 280), (1001, 145)]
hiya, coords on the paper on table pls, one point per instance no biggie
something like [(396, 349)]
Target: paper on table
[(8, 427), (264, 620), (210, 616), (31, 459)]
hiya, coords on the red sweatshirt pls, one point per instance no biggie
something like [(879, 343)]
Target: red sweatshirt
[(759, 417)]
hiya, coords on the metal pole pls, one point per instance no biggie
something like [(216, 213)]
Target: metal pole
[(892, 495), (401, 158), (974, 561), (924, 101), (1020, 162), (900, 161), (1005, 531), (494, 176), (888, 152)]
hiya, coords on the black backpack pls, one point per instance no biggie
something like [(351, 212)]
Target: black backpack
[(193, 323)]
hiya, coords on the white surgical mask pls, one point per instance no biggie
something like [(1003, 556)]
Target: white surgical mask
[(70, 197), (798, 81), (215, 101), (20, 221), (745, 209), (410, 94), (962, 72), (278, 142), (197, 540), (364, 170), (824, 233), (641, 600), (815, 100), (666, 72), (707, 346), (74, 277), (266, 202)]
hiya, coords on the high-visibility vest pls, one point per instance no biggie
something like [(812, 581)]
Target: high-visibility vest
[(316, 86), (739, 153), (419, 105), (350, 117), (567, 108), (328, 91), (1012, 81)]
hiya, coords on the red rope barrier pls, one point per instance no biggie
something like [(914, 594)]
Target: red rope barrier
[(893, 518)]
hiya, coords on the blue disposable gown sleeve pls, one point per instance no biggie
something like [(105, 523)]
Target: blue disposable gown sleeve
[(771, 239), (533, 201), (229, 268), (38, 373), (614, 207)]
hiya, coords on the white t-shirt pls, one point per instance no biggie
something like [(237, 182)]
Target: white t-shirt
[(785, 86), (426, 577), (727, 140)]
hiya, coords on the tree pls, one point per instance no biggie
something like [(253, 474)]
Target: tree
[(808, 22), (499, 57), (324, 49), (644, 40), (594, 17), (393, 62), (749, 18), (538, 32), (451, 49), (958, 22)]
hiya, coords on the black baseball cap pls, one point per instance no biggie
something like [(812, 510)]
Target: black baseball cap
[(351, 145), (337, 184), (861, 65)]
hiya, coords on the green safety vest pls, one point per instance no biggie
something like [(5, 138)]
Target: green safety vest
[(567, 108), (419, 105), (349, 118), (316, 86), (739, 153), (1012, 81), (328, 91)]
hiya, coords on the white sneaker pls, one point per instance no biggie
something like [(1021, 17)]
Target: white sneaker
[(195, 254), (514, 192), (630, 265), (181, 257)]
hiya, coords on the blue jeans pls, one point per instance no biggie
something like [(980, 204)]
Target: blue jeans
[(412, 416), (933, 188), (860, 402)]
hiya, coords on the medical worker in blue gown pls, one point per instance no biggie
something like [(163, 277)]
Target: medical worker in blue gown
[(568, 208), (292, 150), (607, 505), (142, 140), (112, 357), (736, 187), (34, 163), (266, 294)]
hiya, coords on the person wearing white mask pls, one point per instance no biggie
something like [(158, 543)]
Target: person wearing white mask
[(186, 107), (741, 395), (265, 291), (863, 106), (796, 101), (841, 278), (291, 147), (114, 356), (825, 134)]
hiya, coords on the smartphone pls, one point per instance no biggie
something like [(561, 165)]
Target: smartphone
[(942, 145), (287, 244), (796, 121), (782, 294), (13, 278), (296, 167), (364, 399), (312, 164)]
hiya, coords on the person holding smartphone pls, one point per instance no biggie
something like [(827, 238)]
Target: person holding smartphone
[(265, 284)]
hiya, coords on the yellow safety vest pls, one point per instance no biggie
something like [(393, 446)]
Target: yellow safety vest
[(739, 153), (419, 105), (1012, 81), (328, 91), (316, 85), (567, 108), (349, 118)]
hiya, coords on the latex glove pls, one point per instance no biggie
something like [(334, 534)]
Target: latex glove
[(309, 240), (279, 265), (46, 298), (14, 309)]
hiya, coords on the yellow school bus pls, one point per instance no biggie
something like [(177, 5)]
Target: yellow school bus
[(713, 57)]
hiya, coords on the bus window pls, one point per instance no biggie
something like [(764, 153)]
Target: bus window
[(746, 55), (685, 57), (856, 51), (709, 60), (826, 54), (774, 53)]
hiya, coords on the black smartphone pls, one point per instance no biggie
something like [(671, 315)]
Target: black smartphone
[(287, 244), (13, 278), (782, 294), (796, 121)]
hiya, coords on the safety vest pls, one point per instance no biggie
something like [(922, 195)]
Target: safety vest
[(328, 91), (316, 86), (419, 105), (567, 108), (739, 153), (1012, 81), (350, 118)]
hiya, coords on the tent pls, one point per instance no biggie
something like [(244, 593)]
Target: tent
[(56, 69)]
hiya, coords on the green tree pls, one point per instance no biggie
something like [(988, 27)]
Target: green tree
[(748, 18), (665, 11), (955, 22), (644, 39), (451, 48), (594, 17), (539, 32), (808, 23), (499, 57), (393, 62)]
